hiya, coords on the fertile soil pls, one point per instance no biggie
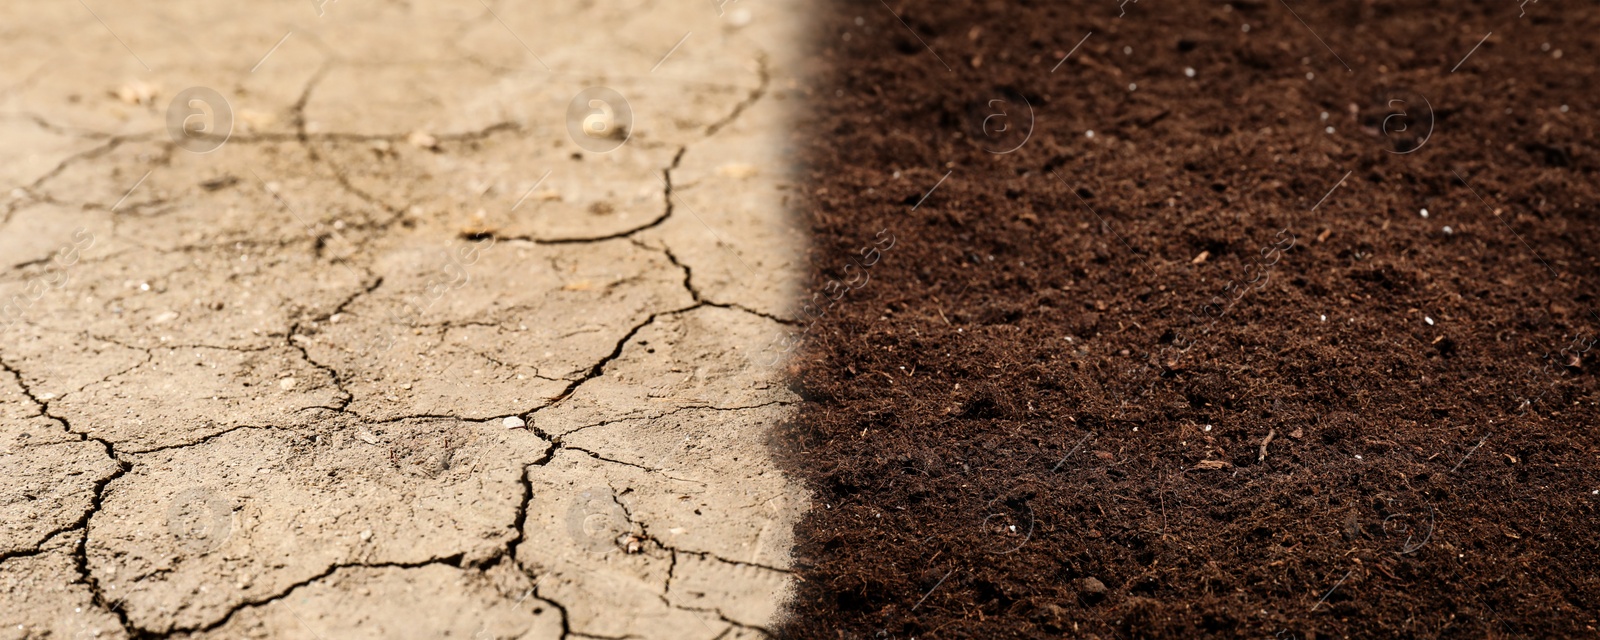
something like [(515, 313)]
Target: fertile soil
[(1168, 379)]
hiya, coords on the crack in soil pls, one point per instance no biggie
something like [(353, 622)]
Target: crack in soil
[(454, 561), (755, 94), (96, 502)]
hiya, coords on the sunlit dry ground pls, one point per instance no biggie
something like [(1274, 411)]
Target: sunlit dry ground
[(320, 321)]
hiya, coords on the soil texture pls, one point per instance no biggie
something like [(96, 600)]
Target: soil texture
[(1266, 319)]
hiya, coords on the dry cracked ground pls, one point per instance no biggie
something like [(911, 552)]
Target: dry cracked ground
[(398, 357)]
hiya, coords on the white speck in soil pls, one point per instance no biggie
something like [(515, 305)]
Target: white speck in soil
[(513, 422)]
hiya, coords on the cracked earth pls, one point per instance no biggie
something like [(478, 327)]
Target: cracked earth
[(399, 358)]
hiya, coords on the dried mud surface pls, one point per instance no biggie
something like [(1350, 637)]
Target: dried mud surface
[(398, 359), (1211, 370)]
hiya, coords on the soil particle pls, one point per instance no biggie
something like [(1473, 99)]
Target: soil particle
[(1093, 589)]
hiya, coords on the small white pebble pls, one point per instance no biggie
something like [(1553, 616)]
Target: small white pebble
[(366, 535), (1135, 428), (1245, 28), (1448, 230), (513, 422), (1188, 71), (1424, 213), (1310, 75), (1324, 116), (1127, 51), (1089, 133), (1329, 129), (287, 383), (1544, 47), (897, 175), (1132, 86), (1358, 456), (1430, 320), (860, 21), (1324, 318), (1563, 108), (1013, 528), (1208, 427)]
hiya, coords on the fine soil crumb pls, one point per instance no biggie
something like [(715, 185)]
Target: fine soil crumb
[(1094, 242)]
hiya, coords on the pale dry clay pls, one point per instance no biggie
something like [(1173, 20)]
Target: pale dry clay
[(263, 391)]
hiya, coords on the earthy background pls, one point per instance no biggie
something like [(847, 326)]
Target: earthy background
[(1050, 414)]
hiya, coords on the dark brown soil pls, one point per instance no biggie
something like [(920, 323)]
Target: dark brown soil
[(1044, 415)]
